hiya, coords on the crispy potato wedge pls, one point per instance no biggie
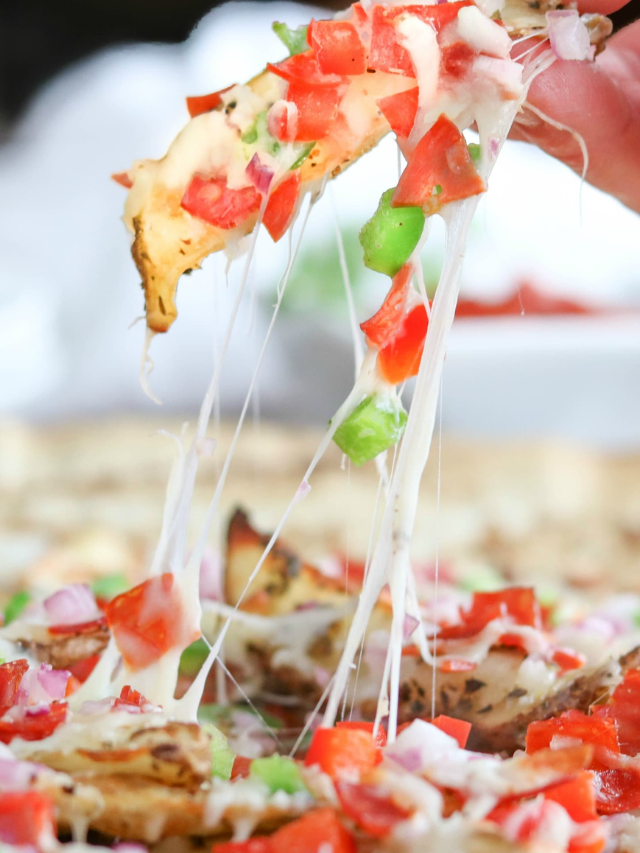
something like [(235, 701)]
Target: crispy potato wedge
[(63, 651)]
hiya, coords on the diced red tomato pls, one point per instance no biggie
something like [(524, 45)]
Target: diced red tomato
[(123, 179), (576, 796), (440, 160), (400, 359), (513, 640), (79, 628), (387, 54), (148, 620), (458, 729), (400, 111), (315, 832), (304, 68), (317, 110), (598, 732), (617, 790), (34, 726), (342, 752), (380, 739), (129, 697), (281, 206), (457, 665), (337, 47), (241, 767), (518, 602), (568, 660), (73, 684), (625, 702), (199, 104), (26, 818), (261, 844), (376, 814), (214, 202), (565, 761), (359, 13), (83, 669), (383, 326), (456, 59), (10, 677)]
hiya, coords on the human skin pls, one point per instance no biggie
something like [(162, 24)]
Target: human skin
[(600, 101)]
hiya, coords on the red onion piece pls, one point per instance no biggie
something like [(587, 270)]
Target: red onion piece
[(283, 116), (259, 175), (71, 605), (410, 625), (303, 490), (129, 847), (568, 35), (420, 744), (211, 575), (42, 686), (101, 707), (16, 775)]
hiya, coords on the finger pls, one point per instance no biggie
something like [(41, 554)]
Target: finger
[(589, 99), (604, 7)]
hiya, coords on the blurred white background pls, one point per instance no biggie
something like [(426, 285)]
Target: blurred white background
[(69, 290)]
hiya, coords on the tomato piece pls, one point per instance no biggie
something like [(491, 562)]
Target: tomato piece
[(617, 790), (625, 702), (26, 818), (400, 359), (385, 323), (123, 179), (131, 698), (79, 628), (337, 47), (317, 109), (83, 669), (241, 767), (576, 796), (376, 814), (216, 203), (34, 726), (304, 68), (387, 54), (261, 844), (456, 59), (359, 13), (316, 832), (148, 620), (598, 732), (73, 684), (440, 169), (380, 739), (400, 111), (458, 729), (341, 752), (518, 602), (199, 104), (282, 205), (458, 665), (10, 677), (568, 660)]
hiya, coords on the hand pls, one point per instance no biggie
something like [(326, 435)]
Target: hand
[(599, 100)]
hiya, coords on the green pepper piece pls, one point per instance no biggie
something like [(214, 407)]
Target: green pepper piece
[(15, 606), (294, 40), (391, 235), (110, 585), (222, 756), (304, 153), (250, 136), (373, 426), (474, 151), (279, 773), (193, 657)]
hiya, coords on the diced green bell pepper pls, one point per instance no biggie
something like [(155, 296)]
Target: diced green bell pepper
[(294, 40), (305, 150), (391, 235), (109, 586), (373, 426), (222, 756), (15, 606), (474, 151), (193, 657), (259, 133), (279, 773)]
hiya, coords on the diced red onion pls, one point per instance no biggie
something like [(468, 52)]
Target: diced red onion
[(42, 685), (568, 35), (283, 110), (101, 707), (420, 744), (211, 575), (71, 605), (16, 774), (303, 490), (129, 847), (40, 710), (410, 625), (259, 174)]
